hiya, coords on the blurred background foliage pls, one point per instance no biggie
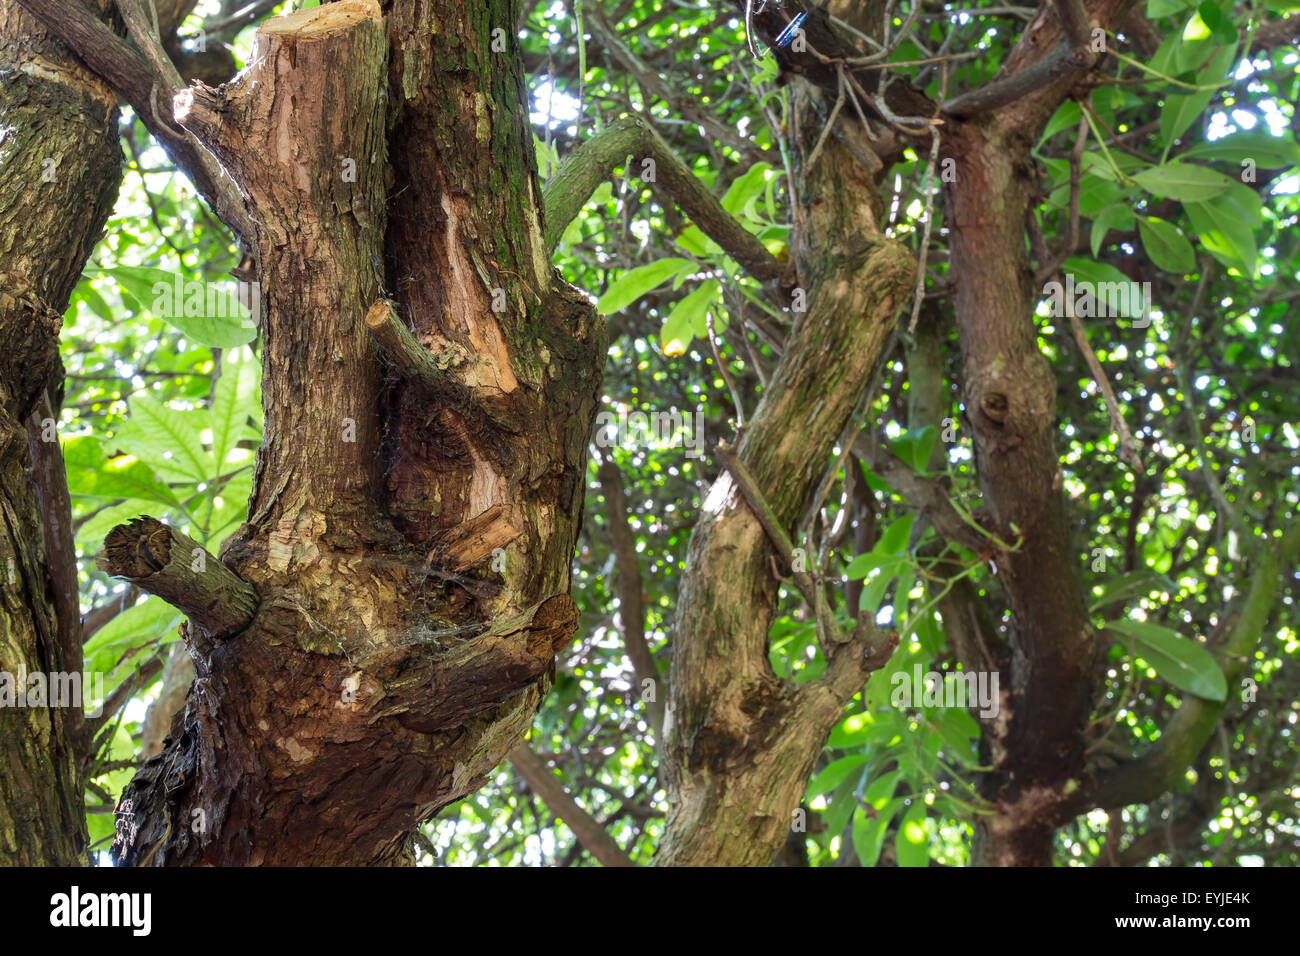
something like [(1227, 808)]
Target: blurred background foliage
[(162, 411)]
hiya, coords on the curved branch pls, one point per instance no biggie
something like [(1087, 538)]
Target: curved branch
[(566, 192), (631, 611)]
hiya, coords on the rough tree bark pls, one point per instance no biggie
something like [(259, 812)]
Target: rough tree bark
[(409, 556), (739, 742), (60, 168), (1010, 397)]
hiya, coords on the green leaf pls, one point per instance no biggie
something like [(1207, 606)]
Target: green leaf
[(747, 187), (1221, 27), (1181, 661), (894, 540), (958, 735), (1113, 291), (843, 803), (168, 436), (851, 731), (875, 590), (91, 474), (232, 403), (834, 774), (207, 313), (1118, 216), (1185, 182), (1130, 584), (87, 293), (914, 446), (1066, 117), (119, 639), (902, 596), (1266, 150), (1162, 8), (864, 564), (635, 283), (881, 790), (697, 243), (1181, 110), (1166, 245), (1196, 46), (869, 832), (912, 843), (686, 320), (1225, 232)]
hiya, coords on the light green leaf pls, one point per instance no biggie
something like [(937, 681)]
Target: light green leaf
[(207, 313), (912, 843), (874, 592), (869, 832), (1112, 290), (232, 403), (1166, 245), (1130, 584), (1182, 662), (894, 540), (747, 187), (881, 790), (116, 642), (635, 283), (864, 564), (91, 474), (914, 446), (1185, 182), (1225, 231), (686, 320), (170, 435), (834, 774), (1181, 110), (1268, 151)]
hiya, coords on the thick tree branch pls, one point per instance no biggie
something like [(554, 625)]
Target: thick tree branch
[(133, 79), (169, 565), (50, 479), (1062, 61), (590, 164), (928, 496), (595, 839)]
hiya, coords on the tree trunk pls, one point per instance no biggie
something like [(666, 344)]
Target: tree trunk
[(61, 169), (407, 549)]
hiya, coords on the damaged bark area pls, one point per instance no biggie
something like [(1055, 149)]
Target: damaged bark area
[(409, 562)]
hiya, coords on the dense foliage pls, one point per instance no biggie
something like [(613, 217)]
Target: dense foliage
[(1178, 170)]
